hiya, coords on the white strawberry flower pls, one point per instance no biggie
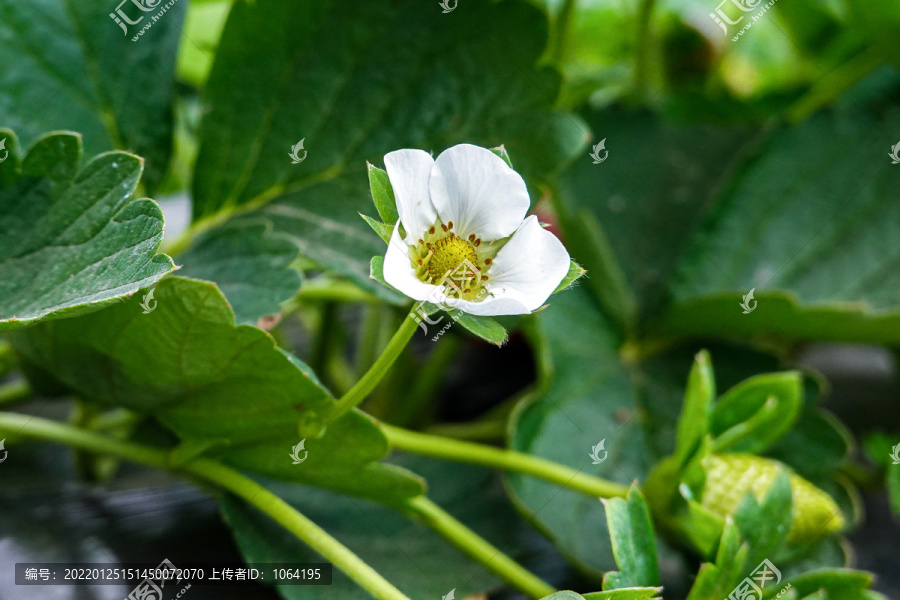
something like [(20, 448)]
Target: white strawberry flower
[(465, 240)]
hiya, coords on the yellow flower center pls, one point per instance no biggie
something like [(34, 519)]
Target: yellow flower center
[(457, 263), (448, 254)]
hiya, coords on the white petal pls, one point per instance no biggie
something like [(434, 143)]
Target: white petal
[(399, 272), (525, 272), (497, 306), (409, 172), (476, 189)]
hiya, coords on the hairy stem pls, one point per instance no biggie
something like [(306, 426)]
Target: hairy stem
[(469, 542), (507, 460), (16, 425)]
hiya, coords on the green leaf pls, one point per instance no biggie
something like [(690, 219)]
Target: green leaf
[(693, 424), (72, 238), (765, 525), (575, 273), (68, 65), (249, 263), (627, 224), (633, 542), (206, 379), (807, 226), (412, 557), (502, 153), (716, 580), (586, 396), (484, 327), (816, 446), (758, 412), (383, 195), (383, 230), (430, 82)]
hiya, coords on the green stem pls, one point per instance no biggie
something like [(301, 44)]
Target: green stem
[(474, 431), (226, 478), (507, 460), (469, 542), (378, 369), (15, 391)]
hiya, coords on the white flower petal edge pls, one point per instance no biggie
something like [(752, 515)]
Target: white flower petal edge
[(524, 274), (399, 273), (476, 189), (410, 172)]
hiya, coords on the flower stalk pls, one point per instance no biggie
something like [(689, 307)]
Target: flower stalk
[(470, 543), (507, 460)]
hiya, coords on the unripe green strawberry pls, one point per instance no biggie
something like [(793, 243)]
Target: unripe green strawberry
[(730, 476)]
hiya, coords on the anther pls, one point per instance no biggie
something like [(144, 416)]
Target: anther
[(449, 224), (444, 227), (472, 238), (421, 242), (477, 242), (431, 230), (488, 261)]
